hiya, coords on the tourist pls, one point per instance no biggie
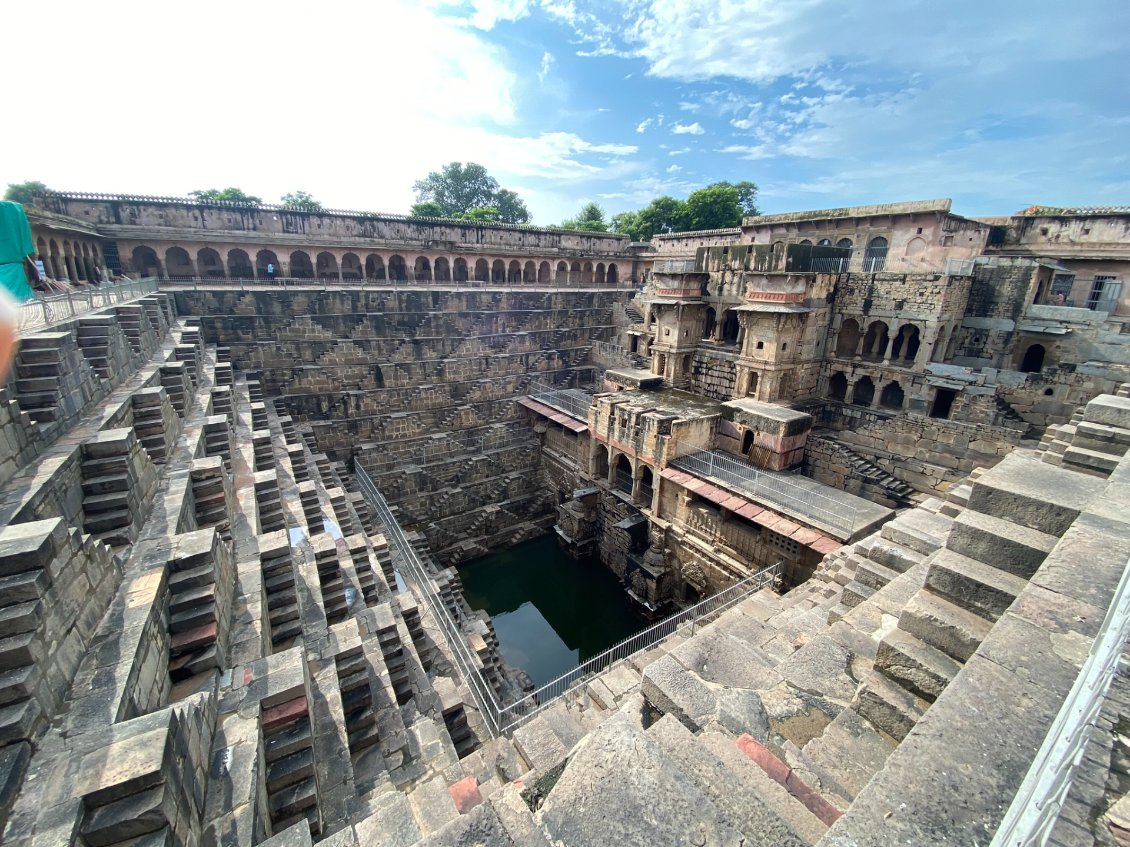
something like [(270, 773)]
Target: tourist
[(271, 271)]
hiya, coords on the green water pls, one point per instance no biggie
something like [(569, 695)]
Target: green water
[(549, 611)]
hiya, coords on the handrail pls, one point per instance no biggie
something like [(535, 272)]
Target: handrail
[(47, 311), (325, 283), (1037, 804), (525, 709)]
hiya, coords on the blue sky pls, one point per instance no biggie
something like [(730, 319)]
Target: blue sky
[(998, 104)]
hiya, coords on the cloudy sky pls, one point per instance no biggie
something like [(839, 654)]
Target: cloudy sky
[(998, 104)]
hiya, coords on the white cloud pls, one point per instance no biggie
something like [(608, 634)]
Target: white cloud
[(547, 61), (689, 107), (687, 129), (487, 13), (747, 151), (674, 169), (681, 151), (643, 125)]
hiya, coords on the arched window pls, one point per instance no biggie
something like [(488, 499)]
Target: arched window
[(543, 273), (300, 266), (906, 343), (747, 442), (864, 392), (848, 339), (844, 243), (892, 396), (586, 274), (875, 256), (647, 486), (529, 273), (498, 271), (482, 270), (514, 272), (351, 267), (600, 273), (326, 265), (1033, 359), (459, 269), (144, 261), (622, 478), (442, 270), (264, 258), (239, 265), (397, 269), (422, 269), (875, 342), (613, 276), (807, 241), (177, 264), (374, 267), (837, 386), (209, 264), (824, 242), (600, 462), (915, 247)]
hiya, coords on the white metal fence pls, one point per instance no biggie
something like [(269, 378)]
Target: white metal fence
[(252, 284), (774, 488), (571, 401), (47, 311)]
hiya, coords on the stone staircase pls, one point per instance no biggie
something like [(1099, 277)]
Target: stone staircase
[(1011, 418), (899, 493)]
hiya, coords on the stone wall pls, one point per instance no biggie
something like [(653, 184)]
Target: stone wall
[(714, 373)]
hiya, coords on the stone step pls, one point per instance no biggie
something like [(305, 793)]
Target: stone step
[(391, 822), (846, 754), (973, 585), (855, 593), (921, 669), (293, 799), (432, 805), (750, 804), (940, 623), (539, 745), (874, 575), (290, 769), (1091, 460), (919, 530), (1024, 490), (888, 706), (1010, 547), (894, 555)]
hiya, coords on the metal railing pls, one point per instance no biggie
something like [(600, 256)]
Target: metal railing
[(1035, 809), (46, 311), (571, 401), (776, 489), (874, 264), (829, 266), (674, 266), (518, 713), (466, 661)]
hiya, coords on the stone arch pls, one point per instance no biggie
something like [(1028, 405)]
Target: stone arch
[(422, 268), (837, 386), (623, 474), (482, 270), (875, 342), (875, 256), (863, 392), (892, 396), (264, 258), (562, 273), (824, 242), (397, 268), (600, 461), (613, 276), (751, 389), (300, 265), (939, 352), (144, 261), (498, 271), (1033, 361), (847, 340), (906, 343), (530, 273), (543, 273), (807, 241), (647, 485), (730, 327), (178, 264), (710, 323), (351, 267), (845, 243), (459, 270), (209, 264), (326, 265), (374, 266), (514, 271), (57, 269), (442, 269), (600, 273), (915, 247), (586, 274), (69, 261), (239, 265)]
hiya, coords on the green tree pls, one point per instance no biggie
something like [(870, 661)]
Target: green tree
[(24, 192), (713, 207), (225, 195), (589, 219), (457, 188), (301, 200), (626, 223), (663, 214), (511, 208), (483, 214), (427, 209), (747, 197)]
